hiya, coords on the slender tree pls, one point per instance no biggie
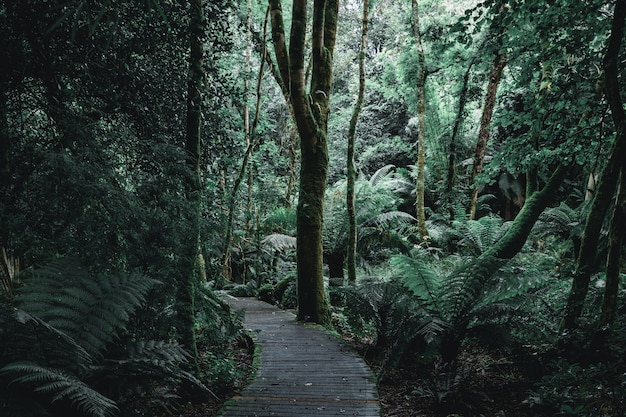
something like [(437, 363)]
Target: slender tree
[(351, 170), (186, 287), (609, 179), (421, 124), (451, 174), (485, 121), (310, 111)]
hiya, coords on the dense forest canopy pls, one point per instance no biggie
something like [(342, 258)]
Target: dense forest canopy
[(427, 176)]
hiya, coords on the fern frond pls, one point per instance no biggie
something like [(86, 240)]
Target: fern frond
[(390, 218), (56, 345), (558, 221), (60, 386), (88, 309), (420, 279), (479, 235), (279, 242), (465, 287), (432, 328), (281, 220), (381, 174)]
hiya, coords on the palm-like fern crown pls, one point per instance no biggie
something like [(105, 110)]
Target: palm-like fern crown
[(479, 235), (376, 200), (562, 221)]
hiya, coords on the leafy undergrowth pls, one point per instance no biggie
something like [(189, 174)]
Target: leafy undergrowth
[(226, 375), (482, 385)]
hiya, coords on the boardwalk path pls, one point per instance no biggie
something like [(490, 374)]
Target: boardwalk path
[(303, 371)]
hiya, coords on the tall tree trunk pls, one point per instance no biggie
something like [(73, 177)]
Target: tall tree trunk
[(608, 181), (186, 287), (483, 135), (451, 176), (231, 207), (310, 112), (293, 163), (351, 171), (420, 185), (616, 240)]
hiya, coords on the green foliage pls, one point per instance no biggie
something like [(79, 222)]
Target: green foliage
[(480, 235), (59, 386), (64, 295), (379, 223), (572, 389), (385, 311), (58, 342), (466, 295)]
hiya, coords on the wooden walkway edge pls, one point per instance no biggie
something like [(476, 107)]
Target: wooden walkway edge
[(303, 371)]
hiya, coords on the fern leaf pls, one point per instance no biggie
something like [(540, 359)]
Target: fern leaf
[(279, 242), (61, 386), (89, 309), (390, 218), (419, 278), (380, 174)]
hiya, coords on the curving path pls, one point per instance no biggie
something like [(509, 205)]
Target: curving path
[(303, 371)]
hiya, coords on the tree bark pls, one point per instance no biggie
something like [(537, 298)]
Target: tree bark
[(616, 240), (608, 181), (249, 134), (185, 296), (451, 175), (483, 135), (310, 112), (421, 125), (351, 169)]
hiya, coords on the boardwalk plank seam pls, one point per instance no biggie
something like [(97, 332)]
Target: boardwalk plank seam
[(303, 370)]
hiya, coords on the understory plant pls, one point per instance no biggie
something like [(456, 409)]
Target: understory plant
[(466, 294), (66, 349)]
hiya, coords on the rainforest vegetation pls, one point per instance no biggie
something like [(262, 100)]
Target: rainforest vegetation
[(442, 183)]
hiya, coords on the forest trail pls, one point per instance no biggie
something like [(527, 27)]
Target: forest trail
[(303, 371)]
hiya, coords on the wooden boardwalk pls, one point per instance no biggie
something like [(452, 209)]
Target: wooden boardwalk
[(303, 371)]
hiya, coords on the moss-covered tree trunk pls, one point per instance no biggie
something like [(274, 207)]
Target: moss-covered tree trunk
[(616, 240), (185, 295), (483, 134), (480, 271), (420, 184), (451, 174), (603, 195), (310, 111), (248, 134), (351, 169)]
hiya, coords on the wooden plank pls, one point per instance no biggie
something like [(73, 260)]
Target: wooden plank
[(303, 370)]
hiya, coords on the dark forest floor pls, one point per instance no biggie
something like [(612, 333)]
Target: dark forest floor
[(487, 386)]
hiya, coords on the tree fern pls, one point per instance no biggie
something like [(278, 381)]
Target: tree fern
[(90, 309), (55, 341), (479, 235), (420, 278), (60, 386)]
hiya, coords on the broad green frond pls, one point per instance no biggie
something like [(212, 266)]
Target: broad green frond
[(420, 278), (40, 338), (390, 219), (380, 174), (60, 386), (279, 242), (479, 235), (89, 309), (558, 221), (281, 220), (465, 287)]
